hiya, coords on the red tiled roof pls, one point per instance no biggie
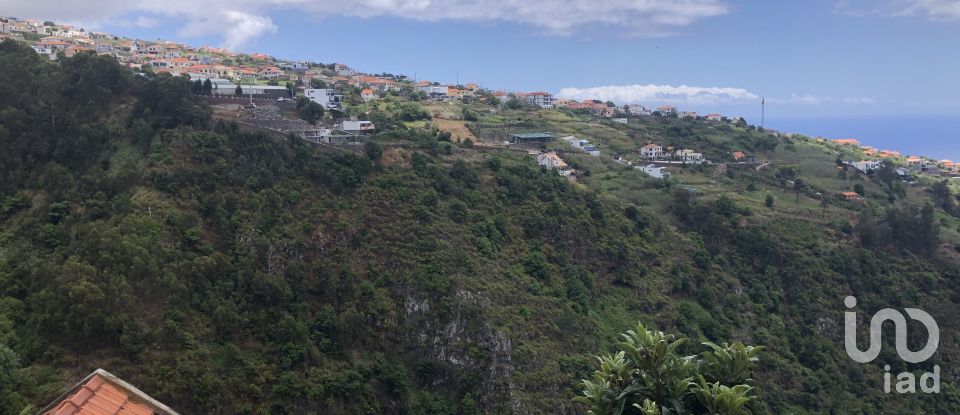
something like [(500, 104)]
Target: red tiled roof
[(102, 393), (98, 397)]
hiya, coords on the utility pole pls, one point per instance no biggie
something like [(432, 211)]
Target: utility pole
[(763, 112)]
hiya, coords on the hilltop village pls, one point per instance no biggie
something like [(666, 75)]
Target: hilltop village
[(332, 104)]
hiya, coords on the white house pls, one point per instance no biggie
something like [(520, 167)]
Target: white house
[(866, 165), (667, 110), (654, 171), (689, 156), (651, 151), (688, 114), (435, 91), (42, 49), (582, 145), (714, 117), (540, 99), (328, 98), (620, 120), (357, 126), (552, 161), (637, 109), (344, 70)]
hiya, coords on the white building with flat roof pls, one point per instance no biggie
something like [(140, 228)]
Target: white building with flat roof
[(328, 98), (654, 171)]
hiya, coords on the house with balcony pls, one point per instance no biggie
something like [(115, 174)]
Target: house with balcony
[(667, 110), (328, 98), (688, 156), (540, 99), (652, 151)]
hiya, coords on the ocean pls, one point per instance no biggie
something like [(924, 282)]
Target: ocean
[(937, 137)]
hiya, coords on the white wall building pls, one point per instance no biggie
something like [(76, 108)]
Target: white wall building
[(654, 171), (552, 161), (344, 70), (866, 165), (651, 151), (328, 98), (582, 145), (689, 156), (357, 126), (637, 109), (435, 91), (540, 99)]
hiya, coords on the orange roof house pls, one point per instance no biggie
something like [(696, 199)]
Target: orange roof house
[(847, 141), (852, 196), (102, 393), (737, 155)]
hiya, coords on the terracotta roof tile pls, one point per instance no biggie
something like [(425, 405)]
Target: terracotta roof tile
[(98, 396)]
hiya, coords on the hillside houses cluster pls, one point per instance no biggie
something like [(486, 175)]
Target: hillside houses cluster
[(608, 110), (257, 73), (907, 164), (657, 152)]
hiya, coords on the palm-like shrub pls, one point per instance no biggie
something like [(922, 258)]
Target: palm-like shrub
[(648, 376)]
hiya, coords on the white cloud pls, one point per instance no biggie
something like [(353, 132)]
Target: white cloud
[(930, 9), (933, 9), (240, 21), (807, 99), (144, 21), (661, 94), (236, 28), (694, 95)]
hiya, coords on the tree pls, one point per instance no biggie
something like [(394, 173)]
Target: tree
[(373, 150), (798, 186), (858, 189), (238, 91), (769, 202), (944, 197), (309, 111), (824, 202), (196, 87), (648, 374), (317, 84), (290, 90), (207, 87)]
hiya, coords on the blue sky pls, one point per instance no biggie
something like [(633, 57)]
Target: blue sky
[(816, 58)]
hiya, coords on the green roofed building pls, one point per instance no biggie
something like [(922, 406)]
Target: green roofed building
[(520, 138)]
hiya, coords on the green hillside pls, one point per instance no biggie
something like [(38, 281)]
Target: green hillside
[(224, 270)]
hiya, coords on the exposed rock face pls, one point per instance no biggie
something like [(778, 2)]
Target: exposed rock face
[(464, 340)]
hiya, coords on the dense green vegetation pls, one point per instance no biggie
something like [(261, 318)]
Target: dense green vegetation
[(648, 375), (223, 270)]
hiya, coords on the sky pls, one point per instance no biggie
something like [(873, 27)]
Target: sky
[(809, 59)]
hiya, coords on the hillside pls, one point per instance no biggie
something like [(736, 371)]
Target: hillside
[(226, 270)]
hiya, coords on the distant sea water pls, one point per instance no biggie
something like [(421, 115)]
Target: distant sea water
[(937, 137)]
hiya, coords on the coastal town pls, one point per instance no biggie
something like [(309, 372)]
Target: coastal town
[(228, 79)]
